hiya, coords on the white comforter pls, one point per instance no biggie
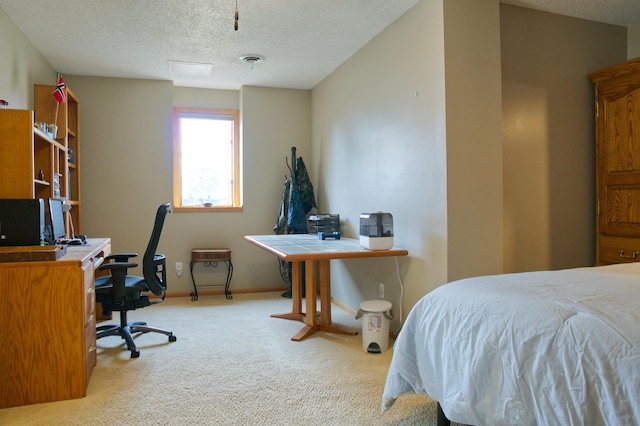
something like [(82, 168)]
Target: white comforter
[(545, 348)]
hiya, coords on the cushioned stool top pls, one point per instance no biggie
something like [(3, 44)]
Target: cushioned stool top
[(211, 255)]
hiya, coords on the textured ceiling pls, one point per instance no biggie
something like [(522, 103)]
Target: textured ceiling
[(302, 40), (617, 12)]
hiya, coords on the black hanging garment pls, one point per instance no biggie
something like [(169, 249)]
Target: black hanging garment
[(297, 200)]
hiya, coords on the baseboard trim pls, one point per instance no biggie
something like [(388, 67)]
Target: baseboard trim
[(233, 291), (344, 307)]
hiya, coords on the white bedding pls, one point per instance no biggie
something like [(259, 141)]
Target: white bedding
[(545, 348)]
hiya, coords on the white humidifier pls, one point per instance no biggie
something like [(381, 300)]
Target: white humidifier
[(376, 231)]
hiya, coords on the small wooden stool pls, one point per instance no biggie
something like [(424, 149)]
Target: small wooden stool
[(211, 257)]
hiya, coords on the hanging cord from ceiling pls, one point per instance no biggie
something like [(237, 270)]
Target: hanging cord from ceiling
[(235, 24)]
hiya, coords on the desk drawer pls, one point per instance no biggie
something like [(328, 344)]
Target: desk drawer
[(89, 291), (90, 347), (90, 302)]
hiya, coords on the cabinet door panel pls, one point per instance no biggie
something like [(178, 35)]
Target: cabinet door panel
[(42, 324), (622, 216), (621, 121), (16, 161)]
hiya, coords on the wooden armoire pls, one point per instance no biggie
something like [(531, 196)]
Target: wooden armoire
[(617, 91)]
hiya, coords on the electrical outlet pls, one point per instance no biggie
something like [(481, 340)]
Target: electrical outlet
[(179, 269), (381, 291)]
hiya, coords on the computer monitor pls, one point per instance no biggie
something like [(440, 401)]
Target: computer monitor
[(56, 216)]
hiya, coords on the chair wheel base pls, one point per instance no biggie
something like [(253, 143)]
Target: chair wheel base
[(127, 331)]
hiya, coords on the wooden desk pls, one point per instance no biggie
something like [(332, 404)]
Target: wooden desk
[(47, 318), (316, 255)]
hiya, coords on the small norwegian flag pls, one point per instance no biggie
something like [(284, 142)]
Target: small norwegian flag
[(61, 91)]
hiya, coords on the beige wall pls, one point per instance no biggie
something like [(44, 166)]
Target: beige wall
[(406, 126), (633, 41), (379, 144), (470, 202), (549, 142), (126, 160), (21, 66), (273, 120), (411, 125), (199, 98), (474, 140)]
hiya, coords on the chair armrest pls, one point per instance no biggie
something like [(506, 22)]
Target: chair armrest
[(117, 265), (120, 257), (118, 272)]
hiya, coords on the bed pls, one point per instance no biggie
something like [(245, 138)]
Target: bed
[(535, 348)]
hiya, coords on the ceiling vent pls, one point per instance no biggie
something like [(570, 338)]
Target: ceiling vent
[(252, 59)]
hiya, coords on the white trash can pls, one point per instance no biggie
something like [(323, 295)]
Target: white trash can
[(375, 325)]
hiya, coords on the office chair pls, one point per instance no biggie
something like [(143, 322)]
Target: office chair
[(122, 292)]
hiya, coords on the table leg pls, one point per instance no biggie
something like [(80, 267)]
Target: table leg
[(296, 287), (227, 293), (325, 302), (296, 295), (312, 270), (194, 295), (311, 317), (325, 292)]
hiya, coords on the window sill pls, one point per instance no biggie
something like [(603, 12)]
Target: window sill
[(202, 209)]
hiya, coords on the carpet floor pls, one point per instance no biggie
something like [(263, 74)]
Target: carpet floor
[(232, 365)]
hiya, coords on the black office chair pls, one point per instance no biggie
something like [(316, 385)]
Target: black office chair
[(122, 292)]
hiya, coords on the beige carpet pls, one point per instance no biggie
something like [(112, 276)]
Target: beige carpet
[(232, 365)]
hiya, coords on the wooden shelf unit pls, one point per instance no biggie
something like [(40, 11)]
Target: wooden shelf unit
[(25, 152), (67, 117), (34, 165)]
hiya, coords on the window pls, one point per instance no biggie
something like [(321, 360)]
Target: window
[(206, 152)]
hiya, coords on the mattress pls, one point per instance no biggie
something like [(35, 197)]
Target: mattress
[(548, 347)]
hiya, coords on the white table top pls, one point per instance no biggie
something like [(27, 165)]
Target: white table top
[(302, 247)]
